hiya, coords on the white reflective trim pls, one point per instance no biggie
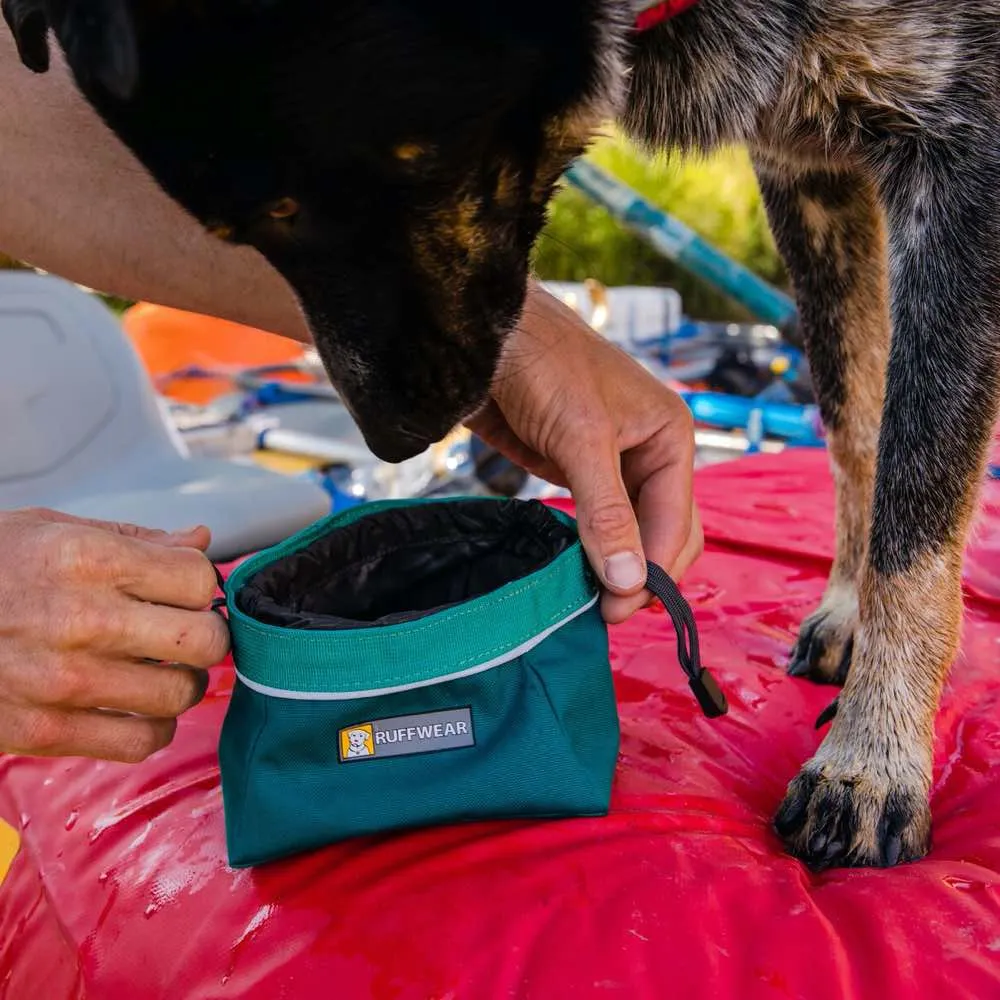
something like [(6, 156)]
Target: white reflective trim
[(525, 647)]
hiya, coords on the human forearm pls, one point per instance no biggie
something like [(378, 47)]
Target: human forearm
[(73, 201)]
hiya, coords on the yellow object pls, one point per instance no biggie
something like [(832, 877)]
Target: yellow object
[(295, 465), (780, 366), (10, 844), (289, 465), (599, 300)]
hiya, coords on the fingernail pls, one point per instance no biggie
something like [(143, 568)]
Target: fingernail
[(624, 570), (180, 534)]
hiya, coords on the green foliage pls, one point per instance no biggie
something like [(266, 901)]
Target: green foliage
[(10, 264), (717, 197), (117, 305)]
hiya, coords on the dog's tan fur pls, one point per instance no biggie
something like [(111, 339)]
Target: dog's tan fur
[(841, 244)]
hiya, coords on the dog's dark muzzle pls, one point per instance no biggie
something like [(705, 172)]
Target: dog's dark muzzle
[(399, 443), (407, 376), (395, 434)]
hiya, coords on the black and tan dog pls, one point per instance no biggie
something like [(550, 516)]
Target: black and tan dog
[(393, 159)]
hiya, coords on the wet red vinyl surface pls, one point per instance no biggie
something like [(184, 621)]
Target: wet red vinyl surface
[(121, 890)]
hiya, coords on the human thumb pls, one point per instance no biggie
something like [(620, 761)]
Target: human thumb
[(607, 524)]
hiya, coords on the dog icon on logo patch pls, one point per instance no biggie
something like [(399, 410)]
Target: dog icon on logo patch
[(357, 742)]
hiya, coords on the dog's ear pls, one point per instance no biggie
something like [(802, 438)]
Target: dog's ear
[(28, 21), (99, 39)]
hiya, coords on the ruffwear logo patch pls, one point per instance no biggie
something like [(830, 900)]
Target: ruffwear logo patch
[(405, 735)]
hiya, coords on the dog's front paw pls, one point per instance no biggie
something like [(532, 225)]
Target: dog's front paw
[(837, 820), (826, 640)]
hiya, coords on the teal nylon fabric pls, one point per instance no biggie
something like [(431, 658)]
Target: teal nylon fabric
[(507, 710), (458, 639)]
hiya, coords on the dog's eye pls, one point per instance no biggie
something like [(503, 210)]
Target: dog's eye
[(283, 208), (410, 152), (221, 231)]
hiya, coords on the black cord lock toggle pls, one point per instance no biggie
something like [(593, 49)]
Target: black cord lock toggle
[(710, 696)]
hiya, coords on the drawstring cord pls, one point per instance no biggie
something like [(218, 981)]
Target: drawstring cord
[(710, 696), (218, 603)]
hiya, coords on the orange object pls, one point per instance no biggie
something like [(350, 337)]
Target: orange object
[(172, 340), (10, 844)]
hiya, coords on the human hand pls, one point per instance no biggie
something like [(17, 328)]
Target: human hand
[(576, 411), (83, 606)]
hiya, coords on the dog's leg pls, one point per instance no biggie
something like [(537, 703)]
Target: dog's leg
[(863, 799), (830, 229)]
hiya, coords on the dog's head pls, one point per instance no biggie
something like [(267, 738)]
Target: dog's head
[(392, 159), (358, 739)]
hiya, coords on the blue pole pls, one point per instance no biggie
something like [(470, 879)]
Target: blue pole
[(798, 425), (682, 245)]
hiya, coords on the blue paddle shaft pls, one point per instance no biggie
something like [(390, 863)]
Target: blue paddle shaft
[(678, 243)]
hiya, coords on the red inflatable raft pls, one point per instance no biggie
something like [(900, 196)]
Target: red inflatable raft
[(120, 887)]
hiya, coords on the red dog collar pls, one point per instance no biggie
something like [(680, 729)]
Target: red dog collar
[(657, 13)]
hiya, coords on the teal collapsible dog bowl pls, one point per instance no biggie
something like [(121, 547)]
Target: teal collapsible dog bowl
[(411, 663)]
